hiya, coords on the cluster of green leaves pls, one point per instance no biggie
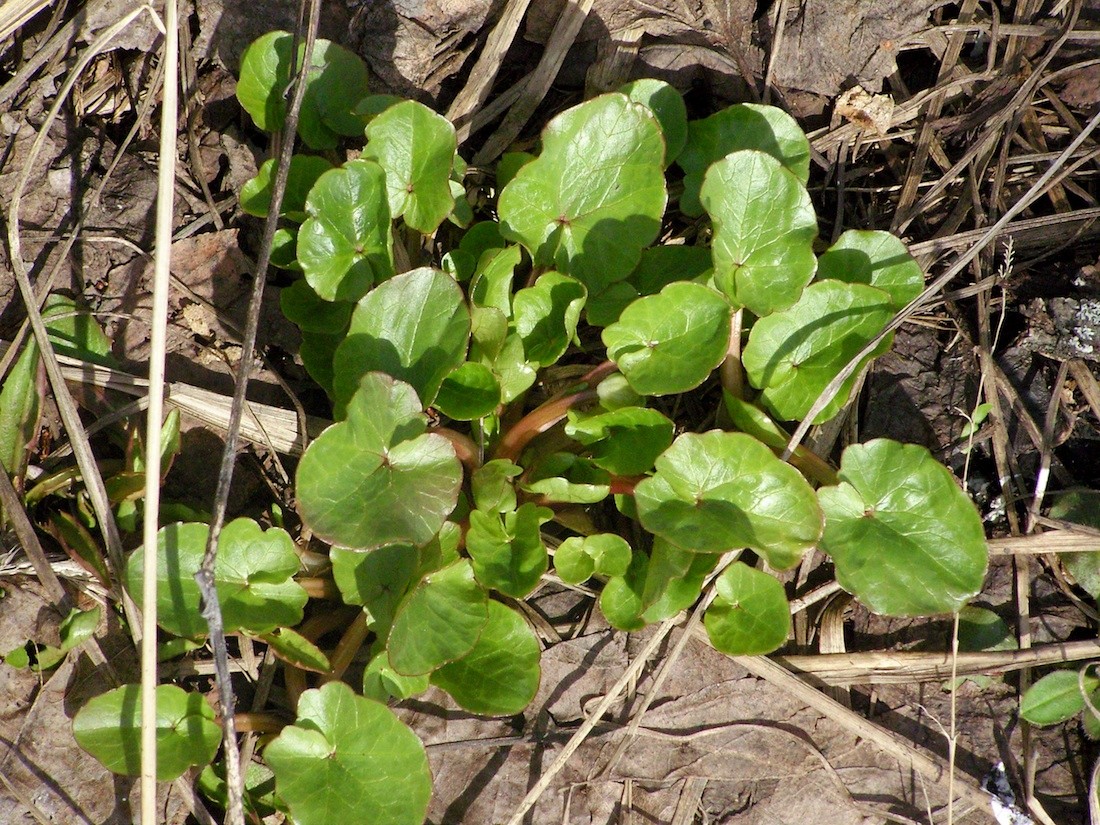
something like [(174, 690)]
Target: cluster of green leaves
[(431, 326)]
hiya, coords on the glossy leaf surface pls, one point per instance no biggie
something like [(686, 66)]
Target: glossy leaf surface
[(720, 491), (905, 539), (546, 315), (764, 230), (740, 127), (667, 106), (303, 173), (376, 579), (349, 759), (595, 196), (793, 355), (468, 392), (875, 258), (669, 343), (414, 327), (507, 549), (625, 441), (750, 615), (500, 675), (378, 478), (416, 147), (337, 80), (344, 245)]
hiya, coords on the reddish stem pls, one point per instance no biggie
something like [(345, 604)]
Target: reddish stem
[(730, 372), (347, 647), (539, 420), (624, 485), (318, 587), (465, 448)]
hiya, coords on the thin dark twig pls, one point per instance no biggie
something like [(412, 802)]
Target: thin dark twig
[(205, 576)]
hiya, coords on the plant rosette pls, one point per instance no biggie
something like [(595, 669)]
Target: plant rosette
[(504, 360)]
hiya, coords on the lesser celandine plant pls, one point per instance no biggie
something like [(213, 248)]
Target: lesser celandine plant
[(433, 327)]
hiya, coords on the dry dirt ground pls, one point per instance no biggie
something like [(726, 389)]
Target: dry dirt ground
[(927, 118)]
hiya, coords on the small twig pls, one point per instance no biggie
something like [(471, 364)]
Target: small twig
[(205, 576), (154, 420)]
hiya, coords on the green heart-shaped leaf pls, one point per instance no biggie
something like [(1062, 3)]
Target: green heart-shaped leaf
[(546, 316), (507, 549), (741, 126), (378, 478), (625, 441), (905, 539), (594, 198), (303, 173), (349, 759), (667, 106), (109, 728), (414, 327), (793, 355), (337, 80), (750, 615), (1057, 697), (439, 621), (720, 491), (377, 579), (671, 342), (875, 258), (764, 230), (579, 557), (492, 486), (500, 675), (416, 147), (253, 576), (344, 246), (470, 391)]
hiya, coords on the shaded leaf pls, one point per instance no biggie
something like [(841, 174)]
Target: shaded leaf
[(793, 355), (500, 675), (109, 728), (252, 575), (414, 327), (741, 126), (720, 491)]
